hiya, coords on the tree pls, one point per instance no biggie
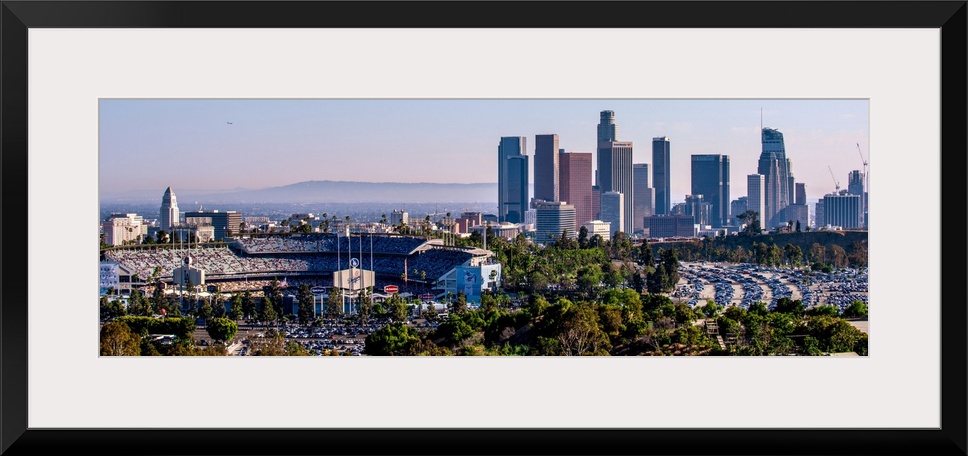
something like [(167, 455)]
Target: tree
[(460, 304), (580, 333), (818, 254), (365, 307), (222, 329), (786, 305), (793, 254), (204, 310), (269, 314), (583, 237), (218, 306), (275, 296), (858, 254), (334, 303), (837, 256), (752, 220), (857, 308), (395, 339), (117, 339), (236, 312), (304, 297), (670, 263), (398, 308), (273, 344), (645, 256), (248, 305), (431, 313)]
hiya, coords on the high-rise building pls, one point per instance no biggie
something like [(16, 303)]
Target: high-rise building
[(710, 178), (599, 227), (613, 210), (596, 202), (122, 228), (643, 195), (399, 217), (553, 218), (800, 194), (512, 179), (775, 167), (546, 168), (168, 216), (607, 131), (843, 210), (615, 175), (756, 196), (855, 186), (575, 183), (662, 175), (663, 226), (225, 223), (700, 210), (737, 207)]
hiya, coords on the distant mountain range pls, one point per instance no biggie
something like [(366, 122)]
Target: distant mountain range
[(330, 192)]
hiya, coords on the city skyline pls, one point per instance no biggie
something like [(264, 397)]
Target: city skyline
[(213, 145)]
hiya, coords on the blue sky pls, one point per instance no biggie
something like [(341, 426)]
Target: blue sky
[(189, 145)]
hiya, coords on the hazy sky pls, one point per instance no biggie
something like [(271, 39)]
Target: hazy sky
[(189, 144)]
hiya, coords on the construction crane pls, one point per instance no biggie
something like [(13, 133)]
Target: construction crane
[(836, 183)]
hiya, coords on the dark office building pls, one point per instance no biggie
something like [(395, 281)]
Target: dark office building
[(512, 179), (546, 168), (710, 178), (661, 175)]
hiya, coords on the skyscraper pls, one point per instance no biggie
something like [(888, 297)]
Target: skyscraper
[(615, 175), (575, 181), (607, 131), (710, 178), (843, 210), (662, 175), (546, 168), (855, 186), (643, 195), (613, 204), (700, 209), (168, 216), (737, 207), (775, 167), (551, 219), (512, 179), (755, 196), (800, 194)]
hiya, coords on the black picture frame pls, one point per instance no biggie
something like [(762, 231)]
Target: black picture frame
[(17, 17)]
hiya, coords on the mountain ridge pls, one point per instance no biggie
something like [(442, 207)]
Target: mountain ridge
[(330, 191)]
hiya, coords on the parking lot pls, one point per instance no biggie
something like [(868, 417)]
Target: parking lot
[(729, 284)]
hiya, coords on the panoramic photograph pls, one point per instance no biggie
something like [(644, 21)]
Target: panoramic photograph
[(483, 227)]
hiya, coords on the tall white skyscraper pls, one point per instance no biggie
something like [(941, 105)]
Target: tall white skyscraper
[(615, 175), (168, 216)]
